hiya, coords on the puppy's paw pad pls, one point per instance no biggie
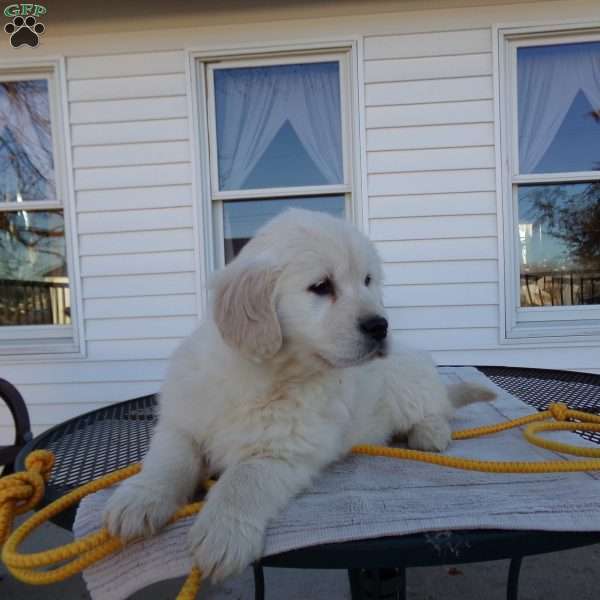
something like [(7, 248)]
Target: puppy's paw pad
[(431, 436), (135, 511), (224, 546)]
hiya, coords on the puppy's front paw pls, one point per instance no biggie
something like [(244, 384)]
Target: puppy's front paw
[(224, 545), (432, 434), (136, 510)]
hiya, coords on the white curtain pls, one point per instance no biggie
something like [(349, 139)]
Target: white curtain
[(549, 79), (252, 105), (316, 120)]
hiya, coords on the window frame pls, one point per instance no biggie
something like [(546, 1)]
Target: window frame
[(202, 66), (522, 325), (42, 340)]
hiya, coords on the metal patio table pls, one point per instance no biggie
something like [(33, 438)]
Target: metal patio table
[(101, 441)]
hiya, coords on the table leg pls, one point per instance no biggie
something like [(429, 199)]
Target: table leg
[(354, 577), (259, 582), (378, 584), (512, 586)]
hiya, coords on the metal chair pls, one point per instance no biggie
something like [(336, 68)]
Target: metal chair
[(20, 415)]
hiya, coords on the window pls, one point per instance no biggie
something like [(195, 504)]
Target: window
[(35, 296), (552, 163), (278, 137)]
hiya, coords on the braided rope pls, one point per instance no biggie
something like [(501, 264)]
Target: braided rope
[(20, 492)]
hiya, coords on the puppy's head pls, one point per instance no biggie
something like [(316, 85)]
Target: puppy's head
[(307, 285)]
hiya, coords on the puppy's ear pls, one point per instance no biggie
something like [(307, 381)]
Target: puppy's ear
[(244, 309)]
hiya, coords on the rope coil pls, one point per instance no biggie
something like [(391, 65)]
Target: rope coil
[(20, 492)]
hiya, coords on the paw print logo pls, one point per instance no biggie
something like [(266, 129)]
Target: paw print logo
[(24, 31)]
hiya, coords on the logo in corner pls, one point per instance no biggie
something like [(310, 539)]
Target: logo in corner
[(25, 28)]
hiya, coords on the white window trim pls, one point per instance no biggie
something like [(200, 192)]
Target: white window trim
[(571, 325), (37, 342), (207, 204), (218, 197)]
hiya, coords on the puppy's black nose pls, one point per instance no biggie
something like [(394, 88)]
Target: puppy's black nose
[(374, 327)]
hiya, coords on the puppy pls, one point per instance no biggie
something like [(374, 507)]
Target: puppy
[(292, 370)]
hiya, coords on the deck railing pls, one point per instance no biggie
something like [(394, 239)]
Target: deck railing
[(560, 288), (34, 302)]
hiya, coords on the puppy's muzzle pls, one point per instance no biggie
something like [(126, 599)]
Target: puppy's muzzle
[(374, 327)]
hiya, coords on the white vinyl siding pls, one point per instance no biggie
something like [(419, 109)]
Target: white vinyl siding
[(434, 44), (424, 92), (165, 196), (131, 154), (431, 136), (429, 67), (108, 88), (421, 115), (425, 154), (143, 63), (137, 251), (134, 285), (438, 268), (434, 159), (432, 182), (134, 203)]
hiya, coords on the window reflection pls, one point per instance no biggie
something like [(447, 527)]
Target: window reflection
[(559, 232), (34, 287), (242, 219), (26, 163)]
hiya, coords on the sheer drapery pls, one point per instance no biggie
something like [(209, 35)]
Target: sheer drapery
[(252, 104), (548, 79)]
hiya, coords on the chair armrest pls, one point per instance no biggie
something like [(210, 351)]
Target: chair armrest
[(20, 414)]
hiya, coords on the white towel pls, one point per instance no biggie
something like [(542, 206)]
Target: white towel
[(363, 497)]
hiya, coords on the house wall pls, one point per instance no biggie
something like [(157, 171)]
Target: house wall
[(426, 153)]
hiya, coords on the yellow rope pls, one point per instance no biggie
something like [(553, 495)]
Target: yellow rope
[(559, 411), (20, 492)]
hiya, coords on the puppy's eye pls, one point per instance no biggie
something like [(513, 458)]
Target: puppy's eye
[(322, 288), (367, 280)]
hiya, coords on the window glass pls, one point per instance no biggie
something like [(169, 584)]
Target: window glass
[(34, 286), (241, 219), (559, 234), (34, 283), (26, 161), (278, 126), (558, 89)]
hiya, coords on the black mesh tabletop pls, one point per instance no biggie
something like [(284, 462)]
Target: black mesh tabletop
[(101, 441), (541, 387), (92, 445)]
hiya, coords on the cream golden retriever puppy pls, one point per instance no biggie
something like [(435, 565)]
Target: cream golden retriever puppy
[(291, 371)]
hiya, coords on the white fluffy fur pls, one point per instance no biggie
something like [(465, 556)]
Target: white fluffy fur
[(276, 386)]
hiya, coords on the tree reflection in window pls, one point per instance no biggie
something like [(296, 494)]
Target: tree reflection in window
[(26, 162), (560, 253), (34, 284)]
